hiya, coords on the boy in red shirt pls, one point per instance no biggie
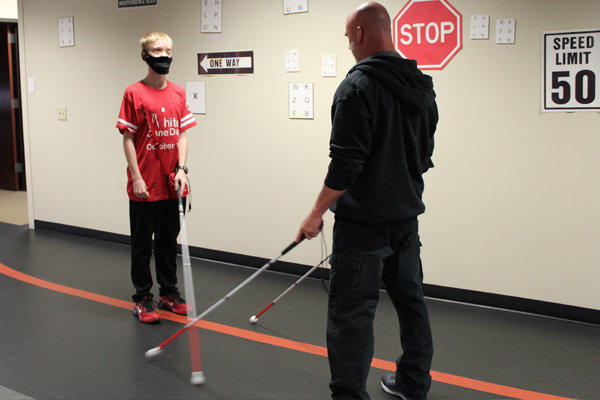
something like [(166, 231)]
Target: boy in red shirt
[(153, 120)]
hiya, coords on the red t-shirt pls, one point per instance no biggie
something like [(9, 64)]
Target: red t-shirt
[(154, 116)]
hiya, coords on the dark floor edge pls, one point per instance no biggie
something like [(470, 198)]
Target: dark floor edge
[(554, 310)]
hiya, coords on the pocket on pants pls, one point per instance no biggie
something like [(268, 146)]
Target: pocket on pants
[(345, 280)]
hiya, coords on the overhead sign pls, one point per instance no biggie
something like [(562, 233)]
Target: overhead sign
[(571, 69), (428, 31), (235, 62), (136, 3)]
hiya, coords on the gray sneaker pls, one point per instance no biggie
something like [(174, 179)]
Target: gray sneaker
[(388, 383)]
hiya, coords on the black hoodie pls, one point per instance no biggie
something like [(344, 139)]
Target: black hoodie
[(383, 116)]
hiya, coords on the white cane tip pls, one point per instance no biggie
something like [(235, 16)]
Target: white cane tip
[(253, 319), (153, 352), (197, 378)]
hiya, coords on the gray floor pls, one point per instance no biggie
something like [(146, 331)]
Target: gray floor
[(60, 346)]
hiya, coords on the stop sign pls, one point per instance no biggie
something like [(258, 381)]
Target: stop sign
[(428, 31)]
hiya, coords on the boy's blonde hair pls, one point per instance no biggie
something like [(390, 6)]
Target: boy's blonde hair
[(152, 37)]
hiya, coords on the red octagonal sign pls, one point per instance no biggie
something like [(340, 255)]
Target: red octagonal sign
[(428, 31)]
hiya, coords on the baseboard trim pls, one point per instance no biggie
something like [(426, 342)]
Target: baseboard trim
[(519, 304), (83, 232), (198, 252)]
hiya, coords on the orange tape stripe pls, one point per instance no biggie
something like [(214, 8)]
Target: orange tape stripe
[(63, 289), (285, 343)]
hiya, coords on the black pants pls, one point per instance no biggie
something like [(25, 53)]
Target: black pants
[(363, 256), (161, 219)]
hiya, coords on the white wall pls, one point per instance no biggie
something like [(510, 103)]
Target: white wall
[(8, 10), (512, 202)]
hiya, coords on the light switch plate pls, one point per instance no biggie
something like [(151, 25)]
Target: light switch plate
[(62, 113)]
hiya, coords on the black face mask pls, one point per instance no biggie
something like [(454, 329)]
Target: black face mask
[(160, 65)]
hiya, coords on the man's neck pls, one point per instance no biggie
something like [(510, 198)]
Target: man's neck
[(155, 80)]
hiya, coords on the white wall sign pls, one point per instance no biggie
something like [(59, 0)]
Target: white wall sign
[(195, 93), (571, 69), (292, 61), (295, 6), (505, 31), (66, 32), (480, 27), (228, 62), (329, 67), (212, 16), (301, 100)]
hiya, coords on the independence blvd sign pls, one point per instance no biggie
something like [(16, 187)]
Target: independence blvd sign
[(234, 62), (571, 69), (428, 31), (136, 3)]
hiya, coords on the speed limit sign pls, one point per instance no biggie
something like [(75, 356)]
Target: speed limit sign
[(571, 75)]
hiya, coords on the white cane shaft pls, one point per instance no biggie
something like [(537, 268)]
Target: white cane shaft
[(234, 291), (299, 281), (189, 288), (188, 281)]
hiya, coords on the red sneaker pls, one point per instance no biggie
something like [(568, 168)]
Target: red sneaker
[(173, 302), (145, 311)]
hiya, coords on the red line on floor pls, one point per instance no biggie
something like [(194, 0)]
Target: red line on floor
[(481, 386)]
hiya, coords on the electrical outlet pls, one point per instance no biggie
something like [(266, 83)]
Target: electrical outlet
[(62, 113)]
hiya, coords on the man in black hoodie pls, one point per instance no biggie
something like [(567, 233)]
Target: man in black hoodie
[(384, 116)]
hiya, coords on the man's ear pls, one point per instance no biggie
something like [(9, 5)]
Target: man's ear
[(360, 38), (144, 54)]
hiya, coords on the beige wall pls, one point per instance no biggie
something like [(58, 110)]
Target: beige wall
[(513, 200)]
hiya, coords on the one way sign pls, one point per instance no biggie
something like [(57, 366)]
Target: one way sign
[(233, 62)]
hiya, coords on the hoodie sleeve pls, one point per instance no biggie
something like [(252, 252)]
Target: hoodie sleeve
[(427, 163), (350, 142)]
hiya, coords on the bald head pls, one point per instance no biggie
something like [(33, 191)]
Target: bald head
[(368, 29)]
